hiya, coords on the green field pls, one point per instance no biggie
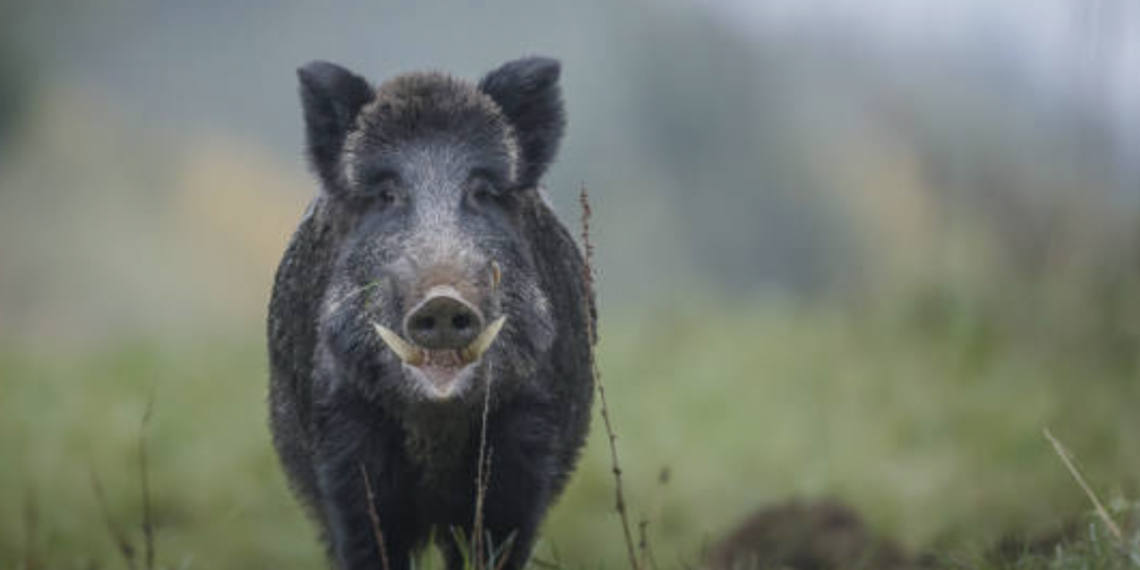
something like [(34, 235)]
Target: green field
[(932, 433)]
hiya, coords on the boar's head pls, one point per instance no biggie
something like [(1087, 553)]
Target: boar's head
[(433, 290)]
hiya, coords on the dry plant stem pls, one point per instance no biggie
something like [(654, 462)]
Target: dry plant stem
[(611, 435), (117, 534), (31, 527), (147, 526), (642, 542), (482, 477), (374, 517), (481, 544), (1067, 459), (652, 559), (647, 558)]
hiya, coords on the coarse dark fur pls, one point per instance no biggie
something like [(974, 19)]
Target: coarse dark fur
[(428, 180)]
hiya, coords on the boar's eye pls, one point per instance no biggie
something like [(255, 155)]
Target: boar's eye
[(483, 190), (387, 196), (384, 186)]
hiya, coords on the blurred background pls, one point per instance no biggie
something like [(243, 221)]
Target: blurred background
[(864, 250)]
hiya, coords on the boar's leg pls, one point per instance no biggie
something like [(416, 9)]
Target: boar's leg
[(349, 444)]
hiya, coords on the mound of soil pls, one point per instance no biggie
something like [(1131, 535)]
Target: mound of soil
[(816, 535)]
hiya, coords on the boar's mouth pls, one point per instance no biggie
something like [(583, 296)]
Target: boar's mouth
[(441, 369)]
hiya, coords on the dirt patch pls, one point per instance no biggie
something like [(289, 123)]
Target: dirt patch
[(806, 535)]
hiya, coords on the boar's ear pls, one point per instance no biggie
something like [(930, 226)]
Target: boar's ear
[(528, 93), (331, 97)]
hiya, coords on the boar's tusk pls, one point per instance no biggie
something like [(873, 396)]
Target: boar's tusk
[(404, 350), (482, 342), (496, 274)]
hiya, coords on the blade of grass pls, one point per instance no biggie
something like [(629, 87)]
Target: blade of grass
[(31, 527), (504, 553), (117, 534), (144, 474), (1101, 512)]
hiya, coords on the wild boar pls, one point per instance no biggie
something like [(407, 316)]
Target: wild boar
[(428, 277)]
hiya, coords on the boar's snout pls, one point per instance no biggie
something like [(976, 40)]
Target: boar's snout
[(443, 320)]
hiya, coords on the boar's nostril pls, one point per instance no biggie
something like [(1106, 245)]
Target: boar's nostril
[(424, 323), (443, 321), (460, 322)]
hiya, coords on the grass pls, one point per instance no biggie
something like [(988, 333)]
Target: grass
[(1092, 545), (218, 497), (937, 442)]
